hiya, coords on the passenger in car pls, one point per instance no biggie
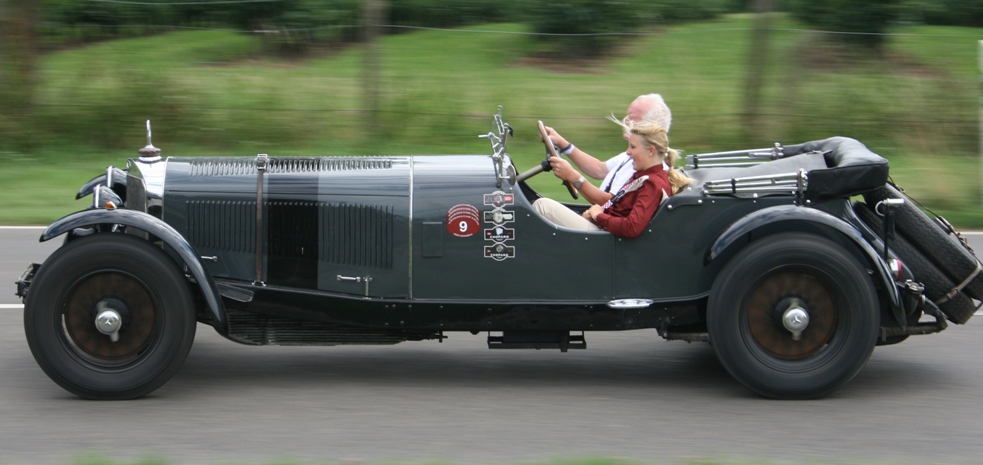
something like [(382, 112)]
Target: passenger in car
[(615, 171), (632, 207)]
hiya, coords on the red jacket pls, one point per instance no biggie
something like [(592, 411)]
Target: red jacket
[(630, 214)]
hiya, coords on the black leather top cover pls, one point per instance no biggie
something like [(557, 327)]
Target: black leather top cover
[(851, 168)]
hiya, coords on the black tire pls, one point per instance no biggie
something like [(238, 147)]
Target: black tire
[(959, 309), (133, 278), (944, 250), (778, 272)]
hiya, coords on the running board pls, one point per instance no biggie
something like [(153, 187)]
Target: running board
[(562, 340)]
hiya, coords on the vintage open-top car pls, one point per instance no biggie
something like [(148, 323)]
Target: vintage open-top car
[(764, 256)]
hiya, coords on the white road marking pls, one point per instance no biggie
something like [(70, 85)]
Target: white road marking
[(11, 306)]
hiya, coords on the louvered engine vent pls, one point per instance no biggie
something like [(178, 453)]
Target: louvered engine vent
[(357, 235), (281, 165), (353, 235), (222, 225)]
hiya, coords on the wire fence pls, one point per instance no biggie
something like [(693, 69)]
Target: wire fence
[(469, 30)]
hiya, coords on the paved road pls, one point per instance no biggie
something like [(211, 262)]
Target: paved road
[(630, 395)]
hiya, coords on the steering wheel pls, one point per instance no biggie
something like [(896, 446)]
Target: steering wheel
[(551, 152)]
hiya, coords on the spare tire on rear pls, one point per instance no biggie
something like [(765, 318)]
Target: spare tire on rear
[(943, 249), (958, 309)]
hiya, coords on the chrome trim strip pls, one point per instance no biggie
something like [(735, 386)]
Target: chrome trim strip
[(410, 230), (262, 160), (628, 304), (163, 183)]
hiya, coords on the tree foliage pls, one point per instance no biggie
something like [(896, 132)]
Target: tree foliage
[(575, 27), (947, 12), (18, 64), (581, 28), (861, 21), (450, 13)]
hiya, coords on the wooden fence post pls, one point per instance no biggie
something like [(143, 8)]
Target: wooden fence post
[(757, 60), (372, 18)]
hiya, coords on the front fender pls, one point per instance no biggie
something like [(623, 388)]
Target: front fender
[(785, 213), (160, 229), (118, 186)]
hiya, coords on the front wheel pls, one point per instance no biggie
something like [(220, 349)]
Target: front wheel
[(109, 316), (793, 316)]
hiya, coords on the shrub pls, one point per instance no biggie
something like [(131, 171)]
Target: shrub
[(451, 13), (864, 21), (309, 23), (72, 21), (580, 28), (675, 11), (586, 28), (947, 12)]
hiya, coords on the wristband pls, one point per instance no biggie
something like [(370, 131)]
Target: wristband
[(567, 150), (579, 182)]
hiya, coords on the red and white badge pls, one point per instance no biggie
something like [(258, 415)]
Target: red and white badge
[(463, 220)]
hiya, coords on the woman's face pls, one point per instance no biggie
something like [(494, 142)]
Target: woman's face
[(642, 154)]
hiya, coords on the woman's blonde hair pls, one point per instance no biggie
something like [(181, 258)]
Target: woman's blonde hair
[(657, 136)]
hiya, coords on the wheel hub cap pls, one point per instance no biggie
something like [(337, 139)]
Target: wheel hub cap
[(791, 315), (796, 320), (110, 318), (108, 321)]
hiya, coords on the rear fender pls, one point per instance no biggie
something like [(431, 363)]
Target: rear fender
[(160, 229), (762, 219)]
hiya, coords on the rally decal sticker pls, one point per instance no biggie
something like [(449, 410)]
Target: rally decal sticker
[(463, 220), (499, 217), (499, 234), (499, 252), (499, 199)]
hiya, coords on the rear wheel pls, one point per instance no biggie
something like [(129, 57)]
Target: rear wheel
[(793, 316), (109, 316)]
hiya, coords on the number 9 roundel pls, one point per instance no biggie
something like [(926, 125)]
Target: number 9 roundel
[(463, 220)]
